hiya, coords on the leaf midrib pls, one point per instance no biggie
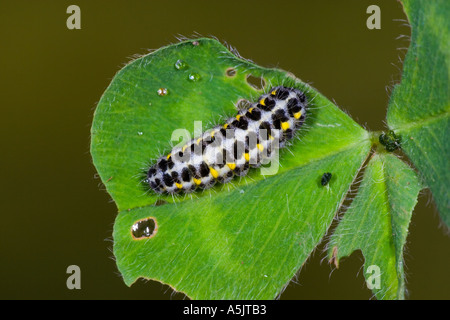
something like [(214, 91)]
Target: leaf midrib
[(422, 122)]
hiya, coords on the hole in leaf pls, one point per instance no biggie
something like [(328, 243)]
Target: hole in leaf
[(230, 72), (160, 202), (257, 83), (143, 229), (243, 104)]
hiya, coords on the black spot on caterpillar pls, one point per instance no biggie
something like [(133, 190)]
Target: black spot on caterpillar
[(231, 149)]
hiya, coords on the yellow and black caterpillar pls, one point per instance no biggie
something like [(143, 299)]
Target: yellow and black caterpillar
[(231, 149)]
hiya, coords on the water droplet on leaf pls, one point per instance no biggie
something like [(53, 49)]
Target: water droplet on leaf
[(194, 77), (180, 64)]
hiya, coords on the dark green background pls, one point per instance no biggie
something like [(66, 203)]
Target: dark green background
[(55, 212)]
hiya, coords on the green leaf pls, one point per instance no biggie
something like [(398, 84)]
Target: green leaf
[(243, 244), (419, 108), (243, 240), (377, 224)]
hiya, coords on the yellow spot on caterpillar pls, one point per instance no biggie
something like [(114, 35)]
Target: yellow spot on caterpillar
[(168, 156), (274, 92), (198, 140), (260, 147), (197, 181), (232, 166), (262, 101), (184, 148), (297, 115), (285, 125), (212, 134), (238, 117), (179, 185), (225, 125), (247, 157), (214, 173), (251, 109)]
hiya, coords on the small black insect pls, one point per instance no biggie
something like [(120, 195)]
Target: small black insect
[(326, 177), (390, 140)]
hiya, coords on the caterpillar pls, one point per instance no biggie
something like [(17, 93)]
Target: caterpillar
[(231, 149)]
